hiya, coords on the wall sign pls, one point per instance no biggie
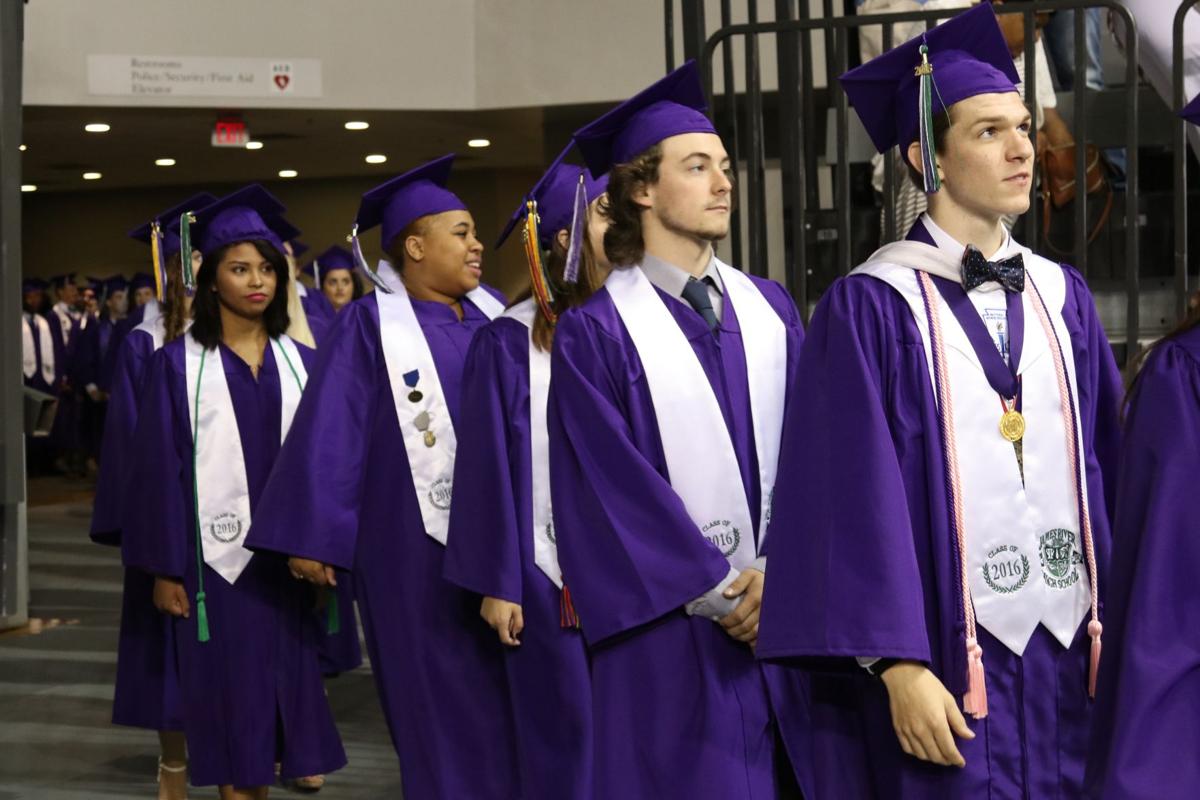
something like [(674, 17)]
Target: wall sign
[(202, 76)]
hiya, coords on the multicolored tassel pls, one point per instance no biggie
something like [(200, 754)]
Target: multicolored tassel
[(185, 252), (924, 71), (202, 634), (361, 261), (567, 617), (578, 232), (539, 279), (156, 251)]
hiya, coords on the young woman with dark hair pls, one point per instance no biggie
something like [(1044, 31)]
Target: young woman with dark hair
[(146, 694), (501, 543), (217, 403), (336, 277), (364, 482)]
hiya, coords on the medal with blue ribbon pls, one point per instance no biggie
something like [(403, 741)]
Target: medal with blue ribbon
[(410, 380)]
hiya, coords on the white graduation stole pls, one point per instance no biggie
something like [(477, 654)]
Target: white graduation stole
[(156, 326), (701, 460), (222, 490), (65, 321), (29, 365), (545, 545), (1024, 549), (430, 446)]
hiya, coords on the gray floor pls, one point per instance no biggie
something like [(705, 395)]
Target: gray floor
[(56, 742)]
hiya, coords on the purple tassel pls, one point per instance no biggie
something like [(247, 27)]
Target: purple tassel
[(578, 231), (361, 261)]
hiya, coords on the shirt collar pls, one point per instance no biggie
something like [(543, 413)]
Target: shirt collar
[(945, 241), (671, 279)]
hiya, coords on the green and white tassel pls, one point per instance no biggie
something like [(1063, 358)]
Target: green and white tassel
[(929, 170)]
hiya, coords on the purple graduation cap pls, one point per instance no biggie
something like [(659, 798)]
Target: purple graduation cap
[(33, 285), (116, 283), (167, 245), (238, 217), (299, 248), (141, 280), (330, 259), (674, 105), (896, 94), (558, 201), (1191, 112), (399, 202)]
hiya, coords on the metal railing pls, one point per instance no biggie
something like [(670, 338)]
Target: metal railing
[(744, 129), (1179, 145)]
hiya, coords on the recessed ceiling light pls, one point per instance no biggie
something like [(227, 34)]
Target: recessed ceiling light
[(22, 148), (28, 187), (376, 158), (254, 145), (164, 162), (92, 176), (288, 173), (479, 143), (97, 127), (357, 125)]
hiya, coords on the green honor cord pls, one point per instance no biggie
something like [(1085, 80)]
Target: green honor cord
[(202, 634), (201, 609)]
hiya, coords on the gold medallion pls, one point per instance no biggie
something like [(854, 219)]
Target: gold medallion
[(1012, 425), (431, 440)]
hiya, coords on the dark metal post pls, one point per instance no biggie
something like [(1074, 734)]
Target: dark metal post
[(756, 224), (1180, 147), (841, 173), (1080, 89), (14, 566), (889, 166), (1030, 81), (1132, 232), (669, 32), (694, 32), (731, 122)]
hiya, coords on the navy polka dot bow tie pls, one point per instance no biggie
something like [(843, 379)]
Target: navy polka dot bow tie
[(977, 270)]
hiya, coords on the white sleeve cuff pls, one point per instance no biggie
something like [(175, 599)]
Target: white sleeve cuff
[(713, 604), (759, 564)]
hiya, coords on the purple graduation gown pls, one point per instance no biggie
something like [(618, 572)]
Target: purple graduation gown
[(147, 685), (37, 381), (681, 710), (1147, 730), (864, 562), (342, 493), (252, 694), (489, 551), (64, 436)]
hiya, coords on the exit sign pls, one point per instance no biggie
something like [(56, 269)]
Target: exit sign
[(230, 133)]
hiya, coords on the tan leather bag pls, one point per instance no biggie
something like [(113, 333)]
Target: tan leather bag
[(1057, 167)]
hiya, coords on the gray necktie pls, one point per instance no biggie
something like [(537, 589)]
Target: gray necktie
[(696, 294)]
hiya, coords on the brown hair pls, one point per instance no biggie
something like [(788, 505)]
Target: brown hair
[(941, 128), (567, 295), (175, 312), (623, 243)]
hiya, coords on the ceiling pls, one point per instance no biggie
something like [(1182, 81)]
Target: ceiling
[(314, 143)]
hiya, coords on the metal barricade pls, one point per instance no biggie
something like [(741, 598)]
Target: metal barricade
[(1180, 148), (744, 129)]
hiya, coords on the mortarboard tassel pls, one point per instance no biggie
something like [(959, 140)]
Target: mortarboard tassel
[(539, 281), (578, 231), (924, 71), (156, 258), (317, 272), (202, 634), (361, 261), (567, 616), (185, 252), (333, 619)]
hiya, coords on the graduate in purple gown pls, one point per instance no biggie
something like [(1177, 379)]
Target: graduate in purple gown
[(66, 327), (336, 280), (146, 694), (947, 471), (216, 404), (38, 365), (665, 412), (1146, 731), (365, 480), (501, 541)]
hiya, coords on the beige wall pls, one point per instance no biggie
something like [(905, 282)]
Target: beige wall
[(85, 232)]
